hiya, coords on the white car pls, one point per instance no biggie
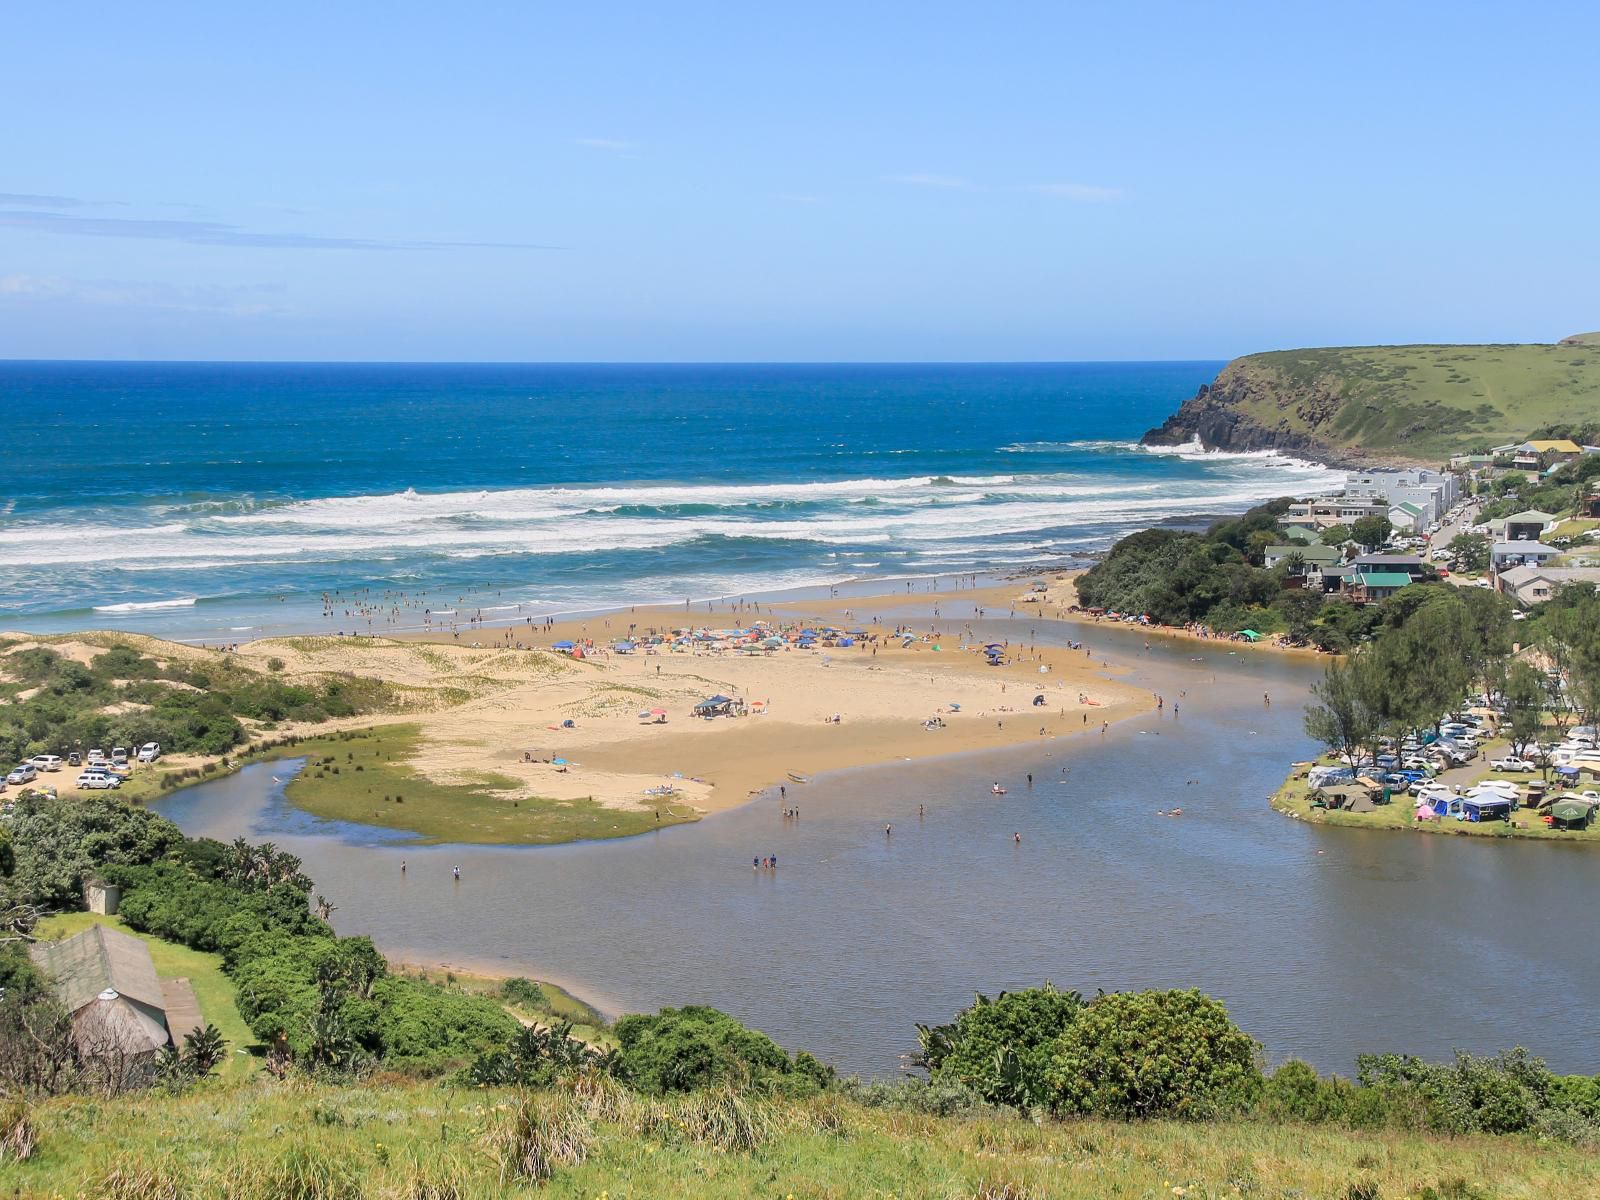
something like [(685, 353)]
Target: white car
[(149, 752), (25, 773), (1511, 763), (119, 755), (46, 762), (98, 781)]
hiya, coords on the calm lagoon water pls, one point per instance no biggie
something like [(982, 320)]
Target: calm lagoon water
[(1323, 942)]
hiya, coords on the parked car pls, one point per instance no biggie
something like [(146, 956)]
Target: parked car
[(149, 752), (119, 754), (24, 773), (1511, 763), (99, 780), (46, 762), (74, 759), (96, 756)]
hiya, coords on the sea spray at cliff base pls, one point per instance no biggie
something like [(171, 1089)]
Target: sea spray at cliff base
[(206, 500)]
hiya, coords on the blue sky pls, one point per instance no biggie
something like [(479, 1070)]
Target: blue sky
[(528, 181)]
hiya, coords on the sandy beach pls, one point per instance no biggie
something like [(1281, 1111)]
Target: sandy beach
[(496, 700), (520, 695)]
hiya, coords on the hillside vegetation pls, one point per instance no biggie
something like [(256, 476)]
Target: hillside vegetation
[(339, 1142), (1415, 403)]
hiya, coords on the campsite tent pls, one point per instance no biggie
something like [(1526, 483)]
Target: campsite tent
[(1571, 814), (1484, 807)]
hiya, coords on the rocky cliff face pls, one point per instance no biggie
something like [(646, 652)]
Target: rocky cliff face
[(1227, 414)]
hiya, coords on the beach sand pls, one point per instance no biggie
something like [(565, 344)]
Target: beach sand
[(517, 700), (493, 699)]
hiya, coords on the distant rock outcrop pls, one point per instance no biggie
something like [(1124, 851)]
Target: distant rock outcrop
[(1390, 404)]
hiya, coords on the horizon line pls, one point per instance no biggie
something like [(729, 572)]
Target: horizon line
[(606, 362)]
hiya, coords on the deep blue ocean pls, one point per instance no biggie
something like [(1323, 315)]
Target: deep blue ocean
[(229, 500)]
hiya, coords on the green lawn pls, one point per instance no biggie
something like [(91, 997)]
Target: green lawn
[(212, 988), (362, 776), (266, 1140)]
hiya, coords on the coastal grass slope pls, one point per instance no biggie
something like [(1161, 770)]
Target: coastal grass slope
[(1402, 403), (300, 1138)]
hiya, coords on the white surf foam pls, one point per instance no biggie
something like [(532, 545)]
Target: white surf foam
[(185, 602)]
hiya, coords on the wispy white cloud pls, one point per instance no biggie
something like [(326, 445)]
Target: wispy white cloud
[(798, 197), (48, 219), (233, 300), (1093, 193), (1084, 192), (31, 200), (615, 145), (954, 182)]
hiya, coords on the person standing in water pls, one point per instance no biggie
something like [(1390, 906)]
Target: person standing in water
[(402, 866), (456, 871)]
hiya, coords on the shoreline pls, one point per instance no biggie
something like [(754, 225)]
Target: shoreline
[(1292, 800), (510, 696)]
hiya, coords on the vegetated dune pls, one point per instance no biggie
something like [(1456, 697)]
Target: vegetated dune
[(1391, 403)]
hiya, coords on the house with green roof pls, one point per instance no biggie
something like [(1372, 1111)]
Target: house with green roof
[(1368, 587), (1407, 516)]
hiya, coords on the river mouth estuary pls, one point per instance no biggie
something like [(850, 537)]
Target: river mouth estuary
[(1324, 943)]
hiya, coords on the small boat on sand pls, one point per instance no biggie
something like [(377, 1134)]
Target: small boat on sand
[(799, 778)]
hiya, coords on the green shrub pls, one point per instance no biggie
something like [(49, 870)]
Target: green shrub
[(680, 1049), (1295, 1092), (1154, 1053), (1000, 1048), (1502, 1094)]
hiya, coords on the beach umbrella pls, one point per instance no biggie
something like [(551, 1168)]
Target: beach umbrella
[(563, 646), (559, 762)]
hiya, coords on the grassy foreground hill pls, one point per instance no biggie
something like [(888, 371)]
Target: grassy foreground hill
[(1402, 403), (271, 1139)]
